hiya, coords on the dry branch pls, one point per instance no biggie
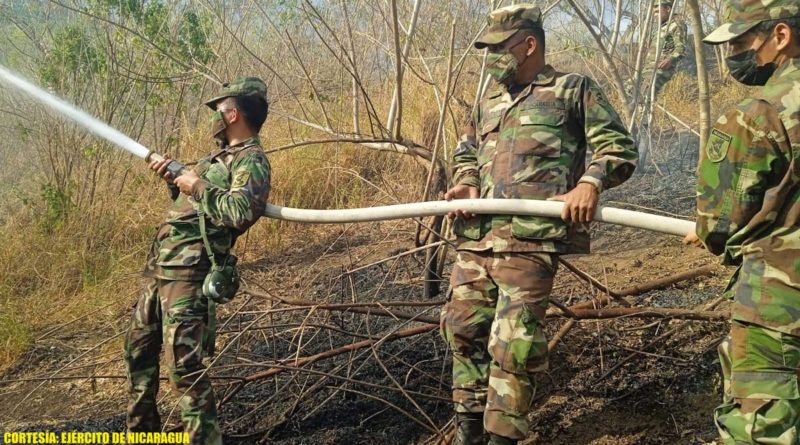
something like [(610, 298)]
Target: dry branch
[(327, 354), (655, 342), (593, 281), (641, 312)]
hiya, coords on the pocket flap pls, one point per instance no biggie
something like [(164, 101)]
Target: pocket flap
[(764, 385), (179, 254), (540, 132), (489, 125), (471, 229), (538, 190)]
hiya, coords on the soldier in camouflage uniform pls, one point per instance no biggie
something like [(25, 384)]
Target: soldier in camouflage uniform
[(748, 211), (663, 60), (228, 188), (527, 139)]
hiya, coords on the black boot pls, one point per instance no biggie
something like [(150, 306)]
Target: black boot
[(494, 439), (469, 429)]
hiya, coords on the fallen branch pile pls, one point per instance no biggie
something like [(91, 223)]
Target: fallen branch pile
[(281, 361)]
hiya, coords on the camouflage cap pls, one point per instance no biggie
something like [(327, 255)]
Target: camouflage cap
[(243, 86), (663, 3), (743, 15), (506, 21)]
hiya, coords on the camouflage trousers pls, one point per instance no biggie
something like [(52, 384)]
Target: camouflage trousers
[(661, 79), (761, 402), (494, 326), (177, 315)]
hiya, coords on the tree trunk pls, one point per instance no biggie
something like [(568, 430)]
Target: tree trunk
[(702, 72)]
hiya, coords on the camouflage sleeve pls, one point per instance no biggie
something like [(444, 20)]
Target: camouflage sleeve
[(614, 153), (679, 40), (741, 160), (241, 205), (465, 157)]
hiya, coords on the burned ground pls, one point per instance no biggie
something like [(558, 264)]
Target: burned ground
[(396, 391)]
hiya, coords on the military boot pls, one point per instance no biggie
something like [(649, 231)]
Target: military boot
[(469, 429), (494, 439)]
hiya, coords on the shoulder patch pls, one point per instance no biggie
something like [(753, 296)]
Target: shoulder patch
[(240, 178), (717, 146)]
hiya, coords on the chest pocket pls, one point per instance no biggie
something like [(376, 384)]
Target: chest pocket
[(218, 174), (537, 147), (489, 134)]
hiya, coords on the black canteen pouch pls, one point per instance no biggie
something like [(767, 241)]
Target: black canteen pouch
[(222, 281)]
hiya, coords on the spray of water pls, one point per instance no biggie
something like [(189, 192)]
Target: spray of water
[(69, 111)]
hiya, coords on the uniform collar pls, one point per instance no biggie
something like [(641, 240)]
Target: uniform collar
[(545, 76), (791, 66), (255, 140)]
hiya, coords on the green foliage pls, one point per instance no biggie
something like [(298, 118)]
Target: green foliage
[(193, 37), (72, 55), (154, 23), (15, 337), (22, 196), (94, 270), (288, 12), (121, 8), (152, 19), (57, 203), (23, 132), (579, 47), (90, 151)]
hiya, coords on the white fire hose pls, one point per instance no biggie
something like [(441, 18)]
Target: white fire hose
[(647, 221)]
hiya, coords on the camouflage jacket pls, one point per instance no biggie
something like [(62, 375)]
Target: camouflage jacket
[(534, 147), (748, 201), (232, 193), (673, 42)]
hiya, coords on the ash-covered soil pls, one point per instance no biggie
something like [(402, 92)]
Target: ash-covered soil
[(605, 385)]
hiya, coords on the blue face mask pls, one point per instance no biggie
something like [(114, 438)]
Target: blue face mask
[(744, 67)]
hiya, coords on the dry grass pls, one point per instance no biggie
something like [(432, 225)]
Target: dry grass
[(54, 273), (680, 97)]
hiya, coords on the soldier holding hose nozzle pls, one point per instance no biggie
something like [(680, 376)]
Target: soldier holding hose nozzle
[(190, 269)]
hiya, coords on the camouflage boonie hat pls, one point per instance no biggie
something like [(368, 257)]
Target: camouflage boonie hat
[(743, 15), (505, 22), (243, 86), (663, 3)]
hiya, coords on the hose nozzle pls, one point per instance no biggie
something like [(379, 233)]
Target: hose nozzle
[(174, 167)]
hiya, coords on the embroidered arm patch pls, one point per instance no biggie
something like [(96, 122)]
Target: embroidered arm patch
[(717, 146)]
